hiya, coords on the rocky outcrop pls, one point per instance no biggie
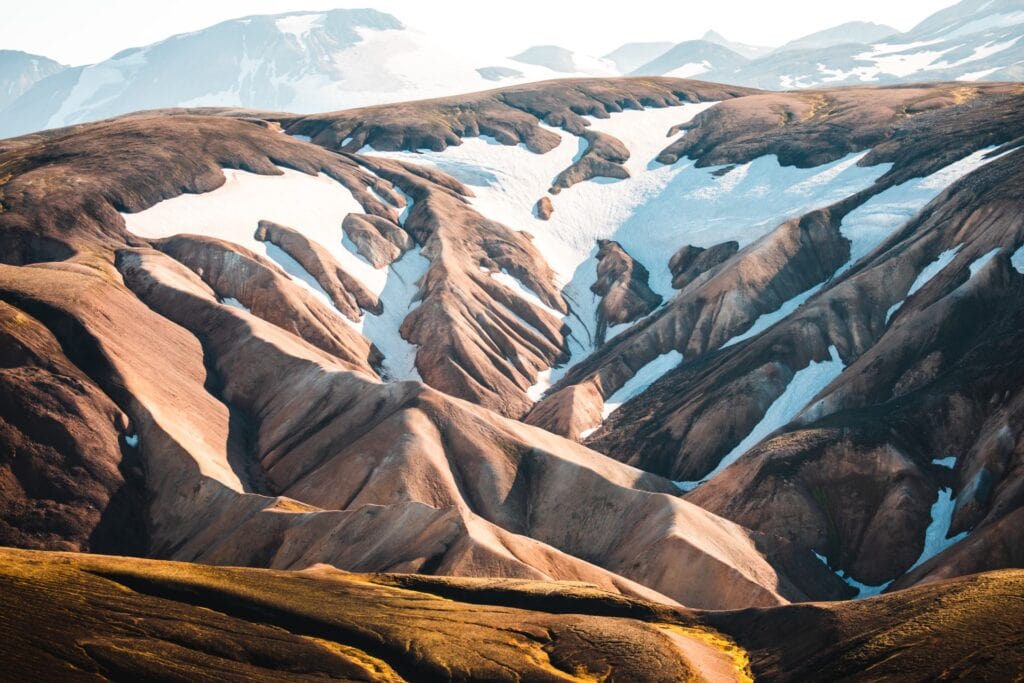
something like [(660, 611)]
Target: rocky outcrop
[(234, 272), (622, 285), (350, 296), (378, 240), (602, 158), (544, 208), (690, 262)]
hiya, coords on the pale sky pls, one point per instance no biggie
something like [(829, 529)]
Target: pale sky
[(82, 31)]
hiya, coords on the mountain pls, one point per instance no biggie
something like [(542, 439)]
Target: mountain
[(362, 342), (691, 58), (970, 41), (561, 60), (858, 32), (19, 71), (628, 57), (304, 61), (748, 51)]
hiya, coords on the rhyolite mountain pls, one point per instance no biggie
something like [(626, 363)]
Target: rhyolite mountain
[(354, 337)]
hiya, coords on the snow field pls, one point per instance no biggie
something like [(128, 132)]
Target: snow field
[(314, 206)]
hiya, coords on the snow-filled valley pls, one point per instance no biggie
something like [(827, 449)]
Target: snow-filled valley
[(654, 212)]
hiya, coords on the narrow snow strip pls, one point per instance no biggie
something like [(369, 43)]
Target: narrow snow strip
[(923, 278), (936, 537), (644, 378), (863, 590), (384, 330), (231, 301), (933, 269), (805, 385), (524, 292), (982, 261), (1017, 260), (766, 320)]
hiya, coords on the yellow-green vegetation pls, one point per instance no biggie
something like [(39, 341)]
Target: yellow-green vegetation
[(82, 617)]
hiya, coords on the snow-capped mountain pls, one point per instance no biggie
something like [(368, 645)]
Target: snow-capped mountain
[(859, 32), (690, 59), (748, 51), (304, 61), (19, 71), (973, 40), (561, 60), (631, 56)]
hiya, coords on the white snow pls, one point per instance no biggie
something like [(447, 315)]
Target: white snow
[(313, 205), (397, 296), (949, 461), (1017, 260), (924, 277), (298, 25), (978, 75), (936, 537), (766, 320), (980, 262), (980, 52), (636, 385), (805, 385), (523, 292), (316, 207), (992, 21), (689, 70), (871, 223), (863, 590), (651, 214), (235, 303), (644, 378), (132, 440)]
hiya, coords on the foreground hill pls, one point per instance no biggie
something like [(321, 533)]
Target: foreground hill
[(81, 617)]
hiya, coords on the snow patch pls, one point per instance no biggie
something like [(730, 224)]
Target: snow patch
[(949, 461), (132, 440), (235, 303), (1017, 260), (863, 590), (936, 537), (980, 262), (313, 205), (639, 382), (805, 385)]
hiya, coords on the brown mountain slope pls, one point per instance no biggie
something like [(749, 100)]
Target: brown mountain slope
[(82, 617)]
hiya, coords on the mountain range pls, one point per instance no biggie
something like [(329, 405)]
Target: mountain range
[(593, 378), (322, 61)]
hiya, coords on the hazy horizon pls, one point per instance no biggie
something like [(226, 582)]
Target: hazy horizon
[(77, 33)]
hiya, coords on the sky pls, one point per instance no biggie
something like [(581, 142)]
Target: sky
[(82, 32)]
